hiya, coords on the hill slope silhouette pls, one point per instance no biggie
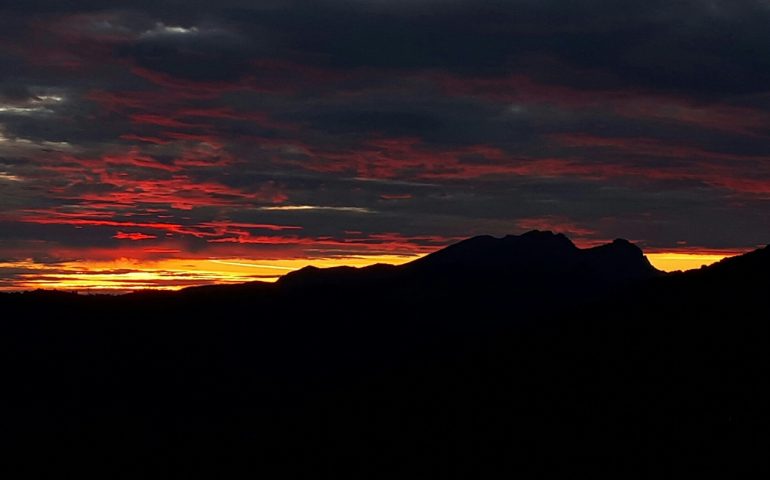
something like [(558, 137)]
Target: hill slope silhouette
[(540, 254), (483, 272), (493, 357)]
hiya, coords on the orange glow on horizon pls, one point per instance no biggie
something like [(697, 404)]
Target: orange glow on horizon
[(673, 261), (124, 275)]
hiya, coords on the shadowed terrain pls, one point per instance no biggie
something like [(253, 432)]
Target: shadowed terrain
[(494, 356)]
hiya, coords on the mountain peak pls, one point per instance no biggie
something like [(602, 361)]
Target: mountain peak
[(487, 252), (536, 254), (620, 259), (619, 246), (539, 252), (546, 237), (538, 234)]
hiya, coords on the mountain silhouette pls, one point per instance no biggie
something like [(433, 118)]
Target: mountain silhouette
[(514, 356), (539, 250), (536, 256)]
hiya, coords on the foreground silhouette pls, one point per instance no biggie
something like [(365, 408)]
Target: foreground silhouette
[(489, 358)]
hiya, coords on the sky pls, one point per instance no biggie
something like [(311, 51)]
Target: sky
[(167, 143)]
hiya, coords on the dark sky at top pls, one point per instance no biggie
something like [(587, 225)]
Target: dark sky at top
[(276, 129)]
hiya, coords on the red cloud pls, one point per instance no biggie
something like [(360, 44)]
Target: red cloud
[(187, 87), (146, 139), (395, 157), (128, 100), (522, 91), (177, 115), (586, 156), (160, 120), (742, 173), (212, 229), (374, 243), (581, 235), (395, 196), (133, 179), (133, 236), (42, 217)]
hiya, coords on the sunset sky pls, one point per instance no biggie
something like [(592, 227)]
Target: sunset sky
[(168, 143)]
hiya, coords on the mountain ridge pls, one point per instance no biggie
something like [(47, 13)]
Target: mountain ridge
[(403, 368), (535, 254)]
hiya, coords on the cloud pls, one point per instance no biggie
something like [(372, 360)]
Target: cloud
[(167, 129), (135, 236), (315, 208)]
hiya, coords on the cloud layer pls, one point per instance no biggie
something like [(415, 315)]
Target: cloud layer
[(327, 129)]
